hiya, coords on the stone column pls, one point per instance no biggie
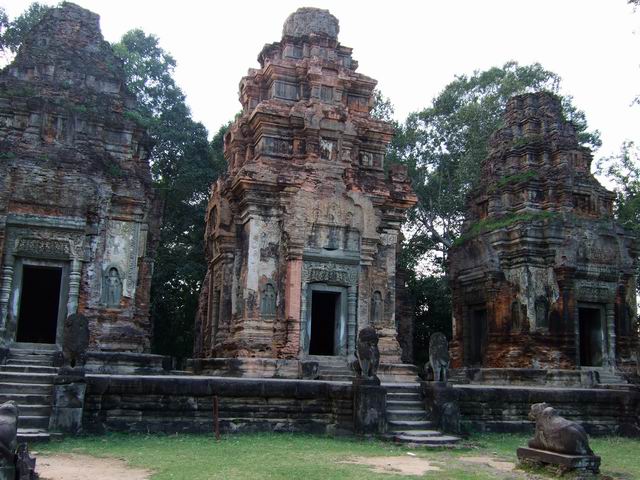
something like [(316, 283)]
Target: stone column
[(293, 306), (74, 286), (5, 292), (352, 319)]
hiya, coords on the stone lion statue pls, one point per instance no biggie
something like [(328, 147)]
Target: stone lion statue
[(439, 356), (367, 354), (557, 434), (8, 433)]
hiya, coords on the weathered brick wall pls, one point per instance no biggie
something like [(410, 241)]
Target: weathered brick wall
[(506, 409), (73, 152), (185, 404), (539, 242)]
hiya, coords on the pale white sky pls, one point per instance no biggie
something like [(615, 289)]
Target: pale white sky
[(413, 48)]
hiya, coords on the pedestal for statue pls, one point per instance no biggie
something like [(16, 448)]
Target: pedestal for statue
[(7, 473), (369, 407), (68, 401), (566, 463)]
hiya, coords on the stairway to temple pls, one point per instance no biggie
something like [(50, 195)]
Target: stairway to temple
[(608, 377), (27, 379), (334, 369), (407, 419)]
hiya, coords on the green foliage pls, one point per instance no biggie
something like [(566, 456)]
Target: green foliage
[(13, 33), (382, 107), (433, 312), (445, 144), (623, 170), (513, 179), (489, 225), (183, 166)]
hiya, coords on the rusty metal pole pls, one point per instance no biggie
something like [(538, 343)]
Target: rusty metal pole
[(216, 411)]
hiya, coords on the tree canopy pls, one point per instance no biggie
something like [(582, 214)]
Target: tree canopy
[(183, 165), (444, 145), (12, 33)]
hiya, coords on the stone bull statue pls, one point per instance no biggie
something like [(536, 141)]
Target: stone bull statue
[(556, 434)]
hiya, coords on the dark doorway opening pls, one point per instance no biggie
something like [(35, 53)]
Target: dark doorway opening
[(39, 304), (324, 310), (476, 336), (590, 336)]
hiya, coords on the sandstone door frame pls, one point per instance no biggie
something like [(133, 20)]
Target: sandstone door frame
[(55, 241), (16, 295), (341, 340)]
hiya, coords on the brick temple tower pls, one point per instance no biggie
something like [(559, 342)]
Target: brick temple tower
[(543, 277), (302, 230), (79, 218)]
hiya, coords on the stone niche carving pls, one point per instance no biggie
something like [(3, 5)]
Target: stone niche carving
[(377, 308), (268, 300), (112, 287), (276, 146)]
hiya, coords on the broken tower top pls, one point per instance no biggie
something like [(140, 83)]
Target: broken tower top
[(309, 21)]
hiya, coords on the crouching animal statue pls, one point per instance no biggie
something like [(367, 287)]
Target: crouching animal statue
[(367, 355), (8, 433), (439, 356), (557, 434)]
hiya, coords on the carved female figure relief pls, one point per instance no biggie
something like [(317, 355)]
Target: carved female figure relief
[(112, 287), (376, 308), (268, 300)]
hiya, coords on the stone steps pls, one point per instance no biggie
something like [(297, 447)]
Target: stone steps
[(26, 388), (27, 379), (408, 421), (17, 368)]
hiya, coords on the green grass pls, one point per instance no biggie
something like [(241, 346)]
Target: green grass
[(290, 456)]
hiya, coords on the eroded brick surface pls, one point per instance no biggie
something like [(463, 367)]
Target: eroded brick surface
[(541, 257), (305, 202), (75, 185)]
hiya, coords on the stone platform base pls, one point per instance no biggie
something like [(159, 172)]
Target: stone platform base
[(565, 463), (525, 377), (122, 363), (492, 408), (173, 404), (289, 368)]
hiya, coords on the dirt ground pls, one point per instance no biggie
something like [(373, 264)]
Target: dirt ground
[(405, 465), (83, 467)]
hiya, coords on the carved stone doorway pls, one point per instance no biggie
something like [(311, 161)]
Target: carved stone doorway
[(325, 317), (591, 336), (39, 304), (326, 321), (475, 337)]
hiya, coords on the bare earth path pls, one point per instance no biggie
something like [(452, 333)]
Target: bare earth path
[(83, 467)]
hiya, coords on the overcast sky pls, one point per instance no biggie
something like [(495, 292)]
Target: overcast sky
[(413, 48)]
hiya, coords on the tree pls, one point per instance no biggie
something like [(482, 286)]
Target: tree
[(445, 144), (12, 33), (623, 170), (183, 165)]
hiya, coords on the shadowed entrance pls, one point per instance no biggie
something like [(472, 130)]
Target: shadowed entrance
[(591, 337), (39, 304), (324, 310)]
